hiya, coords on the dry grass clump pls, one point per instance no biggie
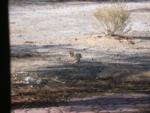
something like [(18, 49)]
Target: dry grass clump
[(114, 19)]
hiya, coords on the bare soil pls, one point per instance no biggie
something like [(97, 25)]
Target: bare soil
[(43, 35)]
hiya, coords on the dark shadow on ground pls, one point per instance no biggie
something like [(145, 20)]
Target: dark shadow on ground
[(88, 78), (31, 50), (113, 100), (86, 69), (101, 103)]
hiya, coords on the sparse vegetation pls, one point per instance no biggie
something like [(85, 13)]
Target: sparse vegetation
[(47, 73), (114, 19)]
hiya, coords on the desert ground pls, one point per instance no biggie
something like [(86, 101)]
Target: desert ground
[(113, 74)]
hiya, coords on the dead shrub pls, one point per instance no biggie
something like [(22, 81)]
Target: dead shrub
[(114, 19)]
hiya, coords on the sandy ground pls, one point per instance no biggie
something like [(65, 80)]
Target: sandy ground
[(45, 28), (43, 35)]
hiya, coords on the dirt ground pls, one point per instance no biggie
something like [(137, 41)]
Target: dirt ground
[(42, 36)]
